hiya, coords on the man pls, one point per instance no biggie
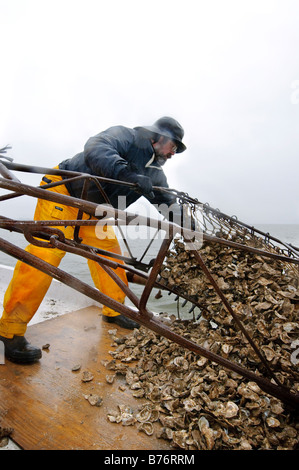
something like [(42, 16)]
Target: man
[(131, 155)]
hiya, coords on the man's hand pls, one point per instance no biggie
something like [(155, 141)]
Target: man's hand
[(143, 183)]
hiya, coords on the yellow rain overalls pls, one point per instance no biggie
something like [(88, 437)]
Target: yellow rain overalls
[(29, 285)]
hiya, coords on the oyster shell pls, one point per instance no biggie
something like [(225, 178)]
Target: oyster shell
[(207, 432), (110, 378), (196, 403), (94, 400), (125, 416), (87, 376), (146, 427)]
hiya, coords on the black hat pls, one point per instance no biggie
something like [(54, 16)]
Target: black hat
[(168, 127)]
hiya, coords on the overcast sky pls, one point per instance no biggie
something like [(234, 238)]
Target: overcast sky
[(227, 70)]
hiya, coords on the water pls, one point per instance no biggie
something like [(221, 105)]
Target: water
[(288, 233), (77, 266)]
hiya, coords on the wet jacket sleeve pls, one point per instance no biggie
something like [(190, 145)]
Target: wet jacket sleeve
[(105, 153), (166, 202)]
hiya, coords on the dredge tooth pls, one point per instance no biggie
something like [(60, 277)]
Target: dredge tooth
[(192, 308)]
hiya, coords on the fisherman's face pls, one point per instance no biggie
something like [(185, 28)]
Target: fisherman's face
[(164, 149)]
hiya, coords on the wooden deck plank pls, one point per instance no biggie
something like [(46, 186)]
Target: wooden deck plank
[(44, 403)]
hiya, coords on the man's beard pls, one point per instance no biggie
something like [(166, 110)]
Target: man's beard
[(160, 160)]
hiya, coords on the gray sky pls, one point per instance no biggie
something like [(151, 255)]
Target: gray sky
[(227, 70)]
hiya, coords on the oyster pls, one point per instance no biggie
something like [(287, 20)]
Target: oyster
[(124, 416), (230, 410), (94, 400), (146, 427), (87, 376), (110, 378), (207, 432), (194, 403)]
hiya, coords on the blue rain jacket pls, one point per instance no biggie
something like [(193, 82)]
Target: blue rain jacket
[(107, 154)]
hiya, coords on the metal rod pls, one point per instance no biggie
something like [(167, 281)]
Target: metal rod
[(44, 186), (80, 211), (134, 299), (148, 321), (90, 207), (176, 194), (249, 249), (154, 272), (236, 319), (7, 174), (142, 315), (66, 278), (106, 264)]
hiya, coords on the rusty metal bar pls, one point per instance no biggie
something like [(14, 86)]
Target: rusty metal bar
[(134, 299), (65, 278), (154, 272), (7, 174), (148, 321), (279, 392), (106, 264), (38, 227), (8, 223), (184, 197), (80, 211), (143, 316), (249, 249), (91, 207), (45, 186), (232, 220), (151, 282), (232, 313)]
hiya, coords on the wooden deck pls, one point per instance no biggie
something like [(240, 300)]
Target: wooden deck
[(44, 403)]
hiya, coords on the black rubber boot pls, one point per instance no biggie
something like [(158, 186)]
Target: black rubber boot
[(122, 321), (17, 349)]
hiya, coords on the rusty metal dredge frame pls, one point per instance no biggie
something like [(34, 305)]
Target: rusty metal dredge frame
[(47, 234)]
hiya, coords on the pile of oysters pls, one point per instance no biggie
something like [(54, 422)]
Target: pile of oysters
[(195, 403)]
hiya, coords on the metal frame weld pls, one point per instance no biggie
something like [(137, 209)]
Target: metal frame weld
[(47, 234)]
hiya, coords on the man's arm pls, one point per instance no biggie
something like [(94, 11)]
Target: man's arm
[(105, 152)]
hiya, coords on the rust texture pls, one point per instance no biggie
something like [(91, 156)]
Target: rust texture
[(47, 234)]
